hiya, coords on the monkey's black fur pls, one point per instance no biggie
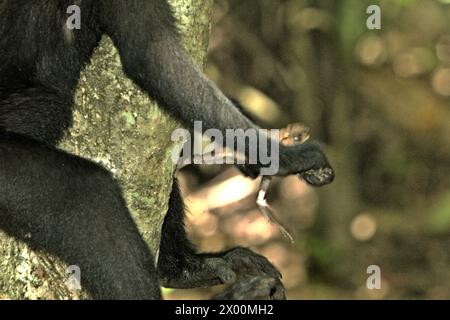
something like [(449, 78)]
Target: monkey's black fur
[(73, 207)]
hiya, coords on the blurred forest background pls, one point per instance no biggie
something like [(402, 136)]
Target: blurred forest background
[(379, 101)]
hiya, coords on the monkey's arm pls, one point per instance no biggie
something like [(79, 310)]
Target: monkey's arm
[(153, 57), (151, 53)]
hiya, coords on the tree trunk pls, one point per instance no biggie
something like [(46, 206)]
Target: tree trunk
[(116, 124)]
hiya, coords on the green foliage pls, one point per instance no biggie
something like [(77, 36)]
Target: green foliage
[(439, 221), (351, 24), (322, 256), (406, 3)]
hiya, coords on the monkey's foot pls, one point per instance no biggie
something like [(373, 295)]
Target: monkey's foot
[(248, 274)]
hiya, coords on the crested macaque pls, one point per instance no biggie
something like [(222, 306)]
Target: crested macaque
[(74, 208)]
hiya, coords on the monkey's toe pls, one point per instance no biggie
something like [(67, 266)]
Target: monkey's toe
[(245, 262), (217, 268), (253, 287)]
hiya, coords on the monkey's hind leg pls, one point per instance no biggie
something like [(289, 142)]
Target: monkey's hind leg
[(73, 208)]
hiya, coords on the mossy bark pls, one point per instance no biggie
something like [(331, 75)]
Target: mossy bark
[(116, 124)]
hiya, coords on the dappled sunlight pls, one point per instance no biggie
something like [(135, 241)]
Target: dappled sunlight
[(230, 191), (363, 227), (378, 102)]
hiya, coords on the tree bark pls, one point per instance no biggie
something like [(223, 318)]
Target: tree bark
[(116, 124)]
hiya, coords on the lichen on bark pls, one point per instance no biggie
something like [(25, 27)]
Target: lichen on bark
[(116, 124)]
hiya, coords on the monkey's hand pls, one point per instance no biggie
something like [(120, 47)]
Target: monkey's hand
[(308, 161), (247, 274), (305, 160)]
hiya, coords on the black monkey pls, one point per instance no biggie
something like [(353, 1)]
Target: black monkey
[(73, 207)]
